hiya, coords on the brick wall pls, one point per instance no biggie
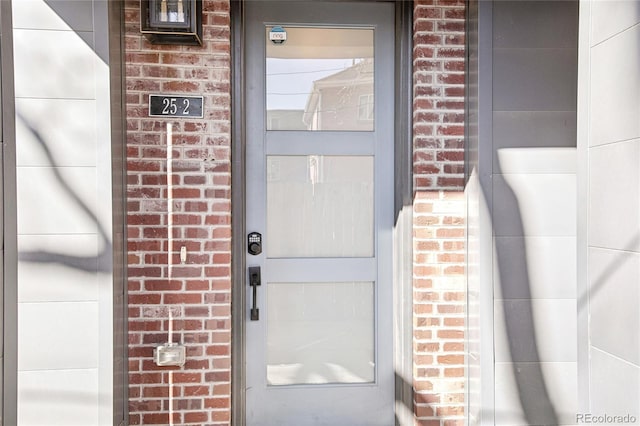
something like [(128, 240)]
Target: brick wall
[(192, 298), (439, 211)]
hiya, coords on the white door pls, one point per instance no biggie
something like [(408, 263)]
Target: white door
[(319, 149)]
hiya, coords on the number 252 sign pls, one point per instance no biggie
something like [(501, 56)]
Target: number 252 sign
[(175, 106)]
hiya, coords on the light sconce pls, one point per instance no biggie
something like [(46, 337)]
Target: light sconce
[(172, 21)]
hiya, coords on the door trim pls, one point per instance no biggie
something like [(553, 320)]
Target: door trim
[(403, 215), (8, 223), (238, 214), (402, 250)]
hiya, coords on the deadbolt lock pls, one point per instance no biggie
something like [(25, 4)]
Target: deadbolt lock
[(254, 243)]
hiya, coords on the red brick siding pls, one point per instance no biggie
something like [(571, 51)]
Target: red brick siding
[(439, 227), (194, 298)]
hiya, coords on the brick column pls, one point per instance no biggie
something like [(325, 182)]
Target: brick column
[(192, 298), (439, 211)]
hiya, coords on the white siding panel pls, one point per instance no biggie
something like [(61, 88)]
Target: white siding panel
[(615, 386), (56, 132), (615, 89), (551, 336), (58, 268), (63, 102), (534, 205), (53, 15), (611, 17), (614, 297), (67, 59), (549, 272), (58, 336), (614, 207), (47, 202), (58, 398), (559, 383), (535, 160), (534, 79)]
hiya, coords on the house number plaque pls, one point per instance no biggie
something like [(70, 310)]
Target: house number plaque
[(175, 106)]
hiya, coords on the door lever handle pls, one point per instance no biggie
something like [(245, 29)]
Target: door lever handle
[(254, 282)]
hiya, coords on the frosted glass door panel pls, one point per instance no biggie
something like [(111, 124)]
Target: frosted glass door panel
[(320, 333), (320, 79), (320, 206)]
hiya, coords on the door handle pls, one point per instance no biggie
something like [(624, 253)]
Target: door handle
[(254, 282)]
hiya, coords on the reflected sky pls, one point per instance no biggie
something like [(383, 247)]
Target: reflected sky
[(290, 81)]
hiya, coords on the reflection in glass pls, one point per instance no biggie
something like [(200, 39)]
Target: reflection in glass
[(320, 206), (320, 333), (320, 79)]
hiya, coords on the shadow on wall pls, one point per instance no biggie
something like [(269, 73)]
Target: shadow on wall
[(99, 263), (604, 277), (533, 394), (76, 14), (408, 406)]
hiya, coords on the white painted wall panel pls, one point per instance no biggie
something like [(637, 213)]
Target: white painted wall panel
[(614, 207), (615, 385), (50, 336), (611, 17), (66, 14), (55, 204), (609, 108), (534, 205), (549, 272), (534, 79), (521, 129), (518, 24), (66, 271), (614, 297), (551, 337), (560, 379), (534, 208), (66, 57), (65, 135), (64, 204), (615, 89), (546, 159), (58, 398)]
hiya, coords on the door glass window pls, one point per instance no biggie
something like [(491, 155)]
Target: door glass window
[(319, 333), (320, 206), (320, 79)]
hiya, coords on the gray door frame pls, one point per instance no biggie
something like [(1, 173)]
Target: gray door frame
[(402, 233), (9, 226)]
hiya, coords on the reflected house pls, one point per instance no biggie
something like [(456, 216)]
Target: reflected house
[(285, 119), (343, 100)]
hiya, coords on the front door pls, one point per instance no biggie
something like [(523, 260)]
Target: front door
[(319, 150)]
